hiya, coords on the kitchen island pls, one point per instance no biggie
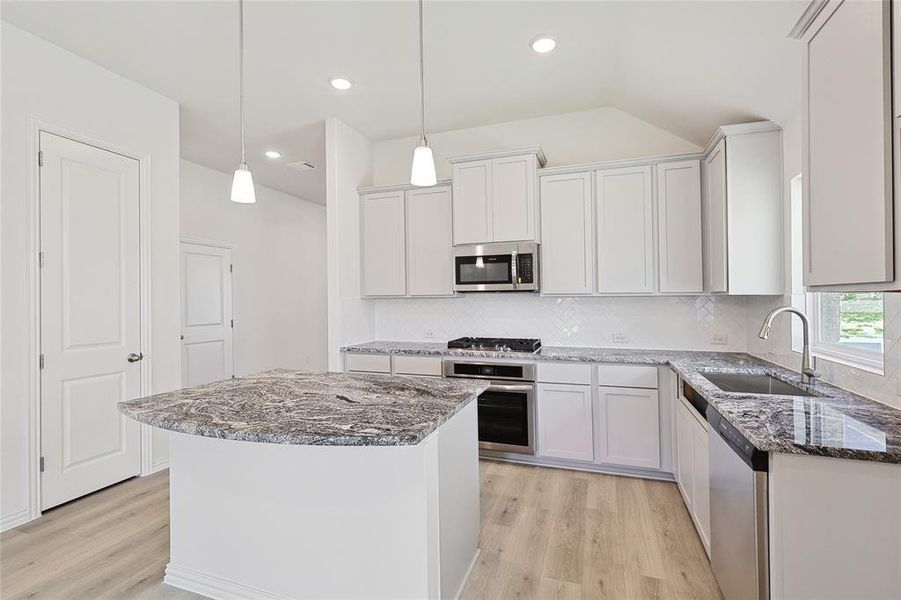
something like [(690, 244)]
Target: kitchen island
[(294, 485)]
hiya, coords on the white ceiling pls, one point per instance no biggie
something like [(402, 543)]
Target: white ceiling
[(685, 66)]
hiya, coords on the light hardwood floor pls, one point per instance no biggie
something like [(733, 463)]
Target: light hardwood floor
[(546, 533)]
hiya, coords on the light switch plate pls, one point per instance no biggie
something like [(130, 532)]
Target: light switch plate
[(719, 339), (620, 338)]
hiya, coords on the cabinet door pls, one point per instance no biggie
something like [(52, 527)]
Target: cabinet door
[(679, 227), (513, 198), (628, 427), (382, 245), (430, 262), (625, 230), (472, 202), (685, 453), (717, 277), (701, 481), (564, 421), (566, 234), (847, 176)]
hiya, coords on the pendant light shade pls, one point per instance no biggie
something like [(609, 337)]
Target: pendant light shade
[(242, 183), (242, 186), (423, 171)]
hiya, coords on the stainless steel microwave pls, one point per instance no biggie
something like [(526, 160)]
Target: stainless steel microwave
[(500, 267)]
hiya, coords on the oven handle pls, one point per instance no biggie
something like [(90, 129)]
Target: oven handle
[(503, 387)]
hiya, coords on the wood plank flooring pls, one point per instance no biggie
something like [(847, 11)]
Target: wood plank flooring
[(546, 533)]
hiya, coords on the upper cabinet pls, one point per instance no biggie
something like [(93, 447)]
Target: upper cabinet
[(851, 217), (495, 196), (743, 197), (405, 242), (612, 231)]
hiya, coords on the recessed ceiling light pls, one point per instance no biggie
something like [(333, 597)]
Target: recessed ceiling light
[(339, 83), (543, 44), (273, 154)]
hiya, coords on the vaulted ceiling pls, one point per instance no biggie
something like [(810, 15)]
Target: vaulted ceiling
[(685, 66)]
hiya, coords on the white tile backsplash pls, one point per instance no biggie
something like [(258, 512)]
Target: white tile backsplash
[(686, 323)]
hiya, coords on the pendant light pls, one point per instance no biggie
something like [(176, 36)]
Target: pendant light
[(242, 184), (423, 171)]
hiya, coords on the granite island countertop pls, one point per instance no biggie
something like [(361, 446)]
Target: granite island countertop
[(322, 409), (834, 422)]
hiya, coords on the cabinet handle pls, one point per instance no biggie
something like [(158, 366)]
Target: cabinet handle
[(135, 357)]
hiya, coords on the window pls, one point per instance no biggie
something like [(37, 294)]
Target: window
[(846, 327)]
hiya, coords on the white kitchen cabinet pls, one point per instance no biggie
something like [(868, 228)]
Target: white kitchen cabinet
[(383, 244), (851, 214), (567, 248), (367, 363), (743, 197), (628, 427), (679, 227), (624, 229), (495, 196), (430, 261), (692, 468), (564, 421)]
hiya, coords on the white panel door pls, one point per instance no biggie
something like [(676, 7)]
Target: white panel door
[(628, 427), (564, 421), (567, 243), (513, 198), (679, 227), (685, 453), (717, 248), (90, 318), (625, 230), (383, 244), (848, 171), (701, 480), (430, 258), (206, 314), (472, 202)]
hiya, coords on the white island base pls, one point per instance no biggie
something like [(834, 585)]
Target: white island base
[(259, 520)]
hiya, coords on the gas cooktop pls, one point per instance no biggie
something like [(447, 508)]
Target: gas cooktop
[(496, 344)]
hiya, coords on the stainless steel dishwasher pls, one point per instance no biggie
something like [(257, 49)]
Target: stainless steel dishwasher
[(739, 541)]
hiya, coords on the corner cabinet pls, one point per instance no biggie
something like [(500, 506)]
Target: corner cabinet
[(679, 227), (405, 242), (495, 196), (744, 215), (852, 214)]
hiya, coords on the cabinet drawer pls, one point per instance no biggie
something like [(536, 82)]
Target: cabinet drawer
[(417, 365), (627, 376), (368, 363), (564, 373)]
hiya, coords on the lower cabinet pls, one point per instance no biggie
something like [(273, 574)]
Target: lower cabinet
[(628, 424), (564, 421), (693, 470)]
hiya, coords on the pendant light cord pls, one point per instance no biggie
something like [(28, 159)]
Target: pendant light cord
[(241, 75), (421, 83)]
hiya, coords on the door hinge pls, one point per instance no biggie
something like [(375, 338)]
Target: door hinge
[(41, 361), (233, 323), (40, 260), (42, 464), (40, 158), (231, 268)]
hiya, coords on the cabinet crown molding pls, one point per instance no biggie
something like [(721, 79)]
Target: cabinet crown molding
[(619, 163), (536, 150), (400, 187), (739, 129)]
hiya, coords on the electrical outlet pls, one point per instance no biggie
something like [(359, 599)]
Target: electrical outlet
[(429, 334), (719, 339), (620, 338)]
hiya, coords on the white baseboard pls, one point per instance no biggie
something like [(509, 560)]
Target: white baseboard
[(472, 566), (213, 586), (20, 517)]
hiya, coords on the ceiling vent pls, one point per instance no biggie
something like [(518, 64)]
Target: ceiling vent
[(302, 165)]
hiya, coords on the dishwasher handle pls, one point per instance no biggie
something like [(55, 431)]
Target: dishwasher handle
[(758, 460)]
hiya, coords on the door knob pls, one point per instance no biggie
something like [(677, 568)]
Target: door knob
[(135, 357)]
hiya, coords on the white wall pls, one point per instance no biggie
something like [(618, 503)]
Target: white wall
[(777, 348), (567, 139), (280, 272), (67, 93), (348, 166)]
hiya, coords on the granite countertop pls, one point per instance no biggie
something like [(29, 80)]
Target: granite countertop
[(834, 422), (321, 409)]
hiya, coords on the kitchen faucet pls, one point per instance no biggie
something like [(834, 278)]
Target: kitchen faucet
[(808, 362)]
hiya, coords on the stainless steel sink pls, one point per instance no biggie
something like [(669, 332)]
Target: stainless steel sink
[(753, 384)]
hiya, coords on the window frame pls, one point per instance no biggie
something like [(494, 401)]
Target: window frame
[(867, 360)]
